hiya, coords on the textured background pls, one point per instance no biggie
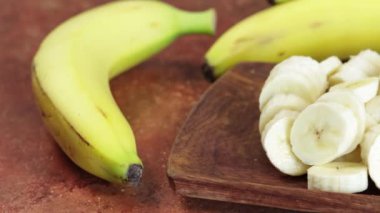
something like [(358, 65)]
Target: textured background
[(156, 96)]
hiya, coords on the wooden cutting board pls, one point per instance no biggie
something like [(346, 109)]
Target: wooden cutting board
[(218, 154)]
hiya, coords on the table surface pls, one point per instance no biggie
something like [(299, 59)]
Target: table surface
[(155, 96)]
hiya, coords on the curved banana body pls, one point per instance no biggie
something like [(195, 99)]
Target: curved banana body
[(72, 69), (316, 28)]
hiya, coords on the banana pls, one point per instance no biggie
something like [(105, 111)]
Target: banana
[(370, 148), (352, 102), (71, 73), (372, 109), (323, 132), (298, 75), (281, 114), (278, 32), (330, 65), (305, 66), (276, 144), (342, 177), (365, 89), (278, 1), (280, 102), (370, 121), (292, 83), (365, 64)]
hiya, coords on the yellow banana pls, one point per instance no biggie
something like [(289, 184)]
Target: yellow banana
[(278, 1), (73, 66), (316, 28)]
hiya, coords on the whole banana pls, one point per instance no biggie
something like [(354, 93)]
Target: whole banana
[(73, 66), (317, 28)]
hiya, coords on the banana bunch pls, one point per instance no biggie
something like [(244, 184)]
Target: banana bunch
[(317, 119), (74, 64), (316, 28)]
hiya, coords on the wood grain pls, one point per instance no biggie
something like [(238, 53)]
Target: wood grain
[(218, 154)]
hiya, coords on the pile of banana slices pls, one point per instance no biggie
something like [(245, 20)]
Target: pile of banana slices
[(323, 119)]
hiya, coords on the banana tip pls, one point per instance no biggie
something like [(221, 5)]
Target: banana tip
[(208, 72), (134, 174)]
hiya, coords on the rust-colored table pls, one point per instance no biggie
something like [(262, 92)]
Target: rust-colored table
[(156, 96)]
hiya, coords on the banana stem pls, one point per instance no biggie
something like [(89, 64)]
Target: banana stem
[(134, 174), (197, 22), (278, 1)]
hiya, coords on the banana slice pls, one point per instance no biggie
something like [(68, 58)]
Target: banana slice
[(281, 114), (372, 108), (369, 121), (280, 102), (277, 147), (330, 65), (352, 102), (365, 64), (342, 177), (373, 58), (370, 149), (365, 89), (323, 132), (292, 83), (305, 66), (354, 156)]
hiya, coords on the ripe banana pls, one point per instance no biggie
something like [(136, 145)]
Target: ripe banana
[(278, 1), (72, 69), (323, 132), (342, 177), (297, 28)]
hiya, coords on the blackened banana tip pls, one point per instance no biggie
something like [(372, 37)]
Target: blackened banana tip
[(134, 174), (272, 2), (208, 72)]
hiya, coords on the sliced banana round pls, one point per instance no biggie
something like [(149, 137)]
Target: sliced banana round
[(277, 147), (370, 57), (370, 149), (323, 132), (330, 65), (365, 89), (365, 64), (292, 83), (352, 102), (372, 108), (369, 121), (280, 102), (345, 74), (342, 177), (281, 114), (369, 139), (305, 66), (298, 64)]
